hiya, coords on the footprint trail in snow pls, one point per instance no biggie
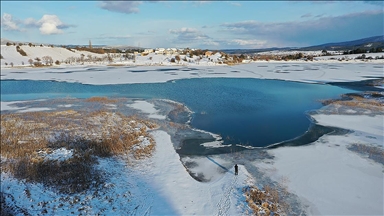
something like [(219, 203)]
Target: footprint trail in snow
[(225, 201)]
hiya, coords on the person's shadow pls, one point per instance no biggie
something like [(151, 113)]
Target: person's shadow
[(219, 165)]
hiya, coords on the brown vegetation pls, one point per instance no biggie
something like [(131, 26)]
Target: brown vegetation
[(265, 202), (19, 50), (101, 100), (27, 138), (373, 152), (98, 50), (358, 102)]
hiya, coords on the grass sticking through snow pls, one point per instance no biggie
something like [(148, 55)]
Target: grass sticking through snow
[(265, 202), (28, 139)]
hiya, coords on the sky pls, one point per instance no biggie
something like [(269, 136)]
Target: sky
[(192, 24)]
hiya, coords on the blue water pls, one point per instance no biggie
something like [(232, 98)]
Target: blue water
[(247, 111)]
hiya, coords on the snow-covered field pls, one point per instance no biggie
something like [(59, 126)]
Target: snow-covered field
[(328, 177), (291, 71), (325, 175)]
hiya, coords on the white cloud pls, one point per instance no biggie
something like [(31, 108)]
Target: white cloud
[(322, 29), (211, 43), (200, 3), (49, 28), (192, 36), (31, 22), (114, 37), (50, 24), (306, 15), (235, 4), (8, 23), (127, 7), (184, 30), (251, 42)]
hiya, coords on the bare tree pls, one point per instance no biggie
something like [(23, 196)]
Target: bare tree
[(48, 60), (30, 61)]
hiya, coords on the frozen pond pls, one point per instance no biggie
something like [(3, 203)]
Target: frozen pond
[(250, 112)]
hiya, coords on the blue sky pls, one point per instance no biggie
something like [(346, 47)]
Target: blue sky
[(194, 24)]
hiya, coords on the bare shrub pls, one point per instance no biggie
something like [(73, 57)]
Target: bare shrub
[(265, 202), (47, 60), (38, 64)]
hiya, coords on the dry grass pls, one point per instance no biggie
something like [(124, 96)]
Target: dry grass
[(88, 135), (265, 202), (375, 153), (357, 102), (101, 100), (116, 65)]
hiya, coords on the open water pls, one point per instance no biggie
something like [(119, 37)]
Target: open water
[(251, 112)]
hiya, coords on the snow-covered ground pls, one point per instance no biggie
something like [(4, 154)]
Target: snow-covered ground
[(291, 71), (147, 108), (10, 54), (159, 185), (326, 176), (351, 57)]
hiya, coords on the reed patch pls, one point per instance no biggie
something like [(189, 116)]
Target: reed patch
[(59, 149), (266, 201)]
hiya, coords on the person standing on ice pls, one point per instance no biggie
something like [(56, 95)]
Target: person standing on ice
[(236, 169)]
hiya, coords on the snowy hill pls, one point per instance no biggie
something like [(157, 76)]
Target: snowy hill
[(72, 56), (10, 54)]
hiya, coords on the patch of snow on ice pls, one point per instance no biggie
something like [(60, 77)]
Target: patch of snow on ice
[(34, 109), (327, 176), (65, 105), (148, 108)]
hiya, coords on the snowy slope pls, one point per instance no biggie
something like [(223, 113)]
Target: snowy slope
[(57, 53), (10, 54), (159, 185)]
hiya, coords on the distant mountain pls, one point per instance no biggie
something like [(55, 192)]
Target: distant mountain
[(250, 51), (365, 43)]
